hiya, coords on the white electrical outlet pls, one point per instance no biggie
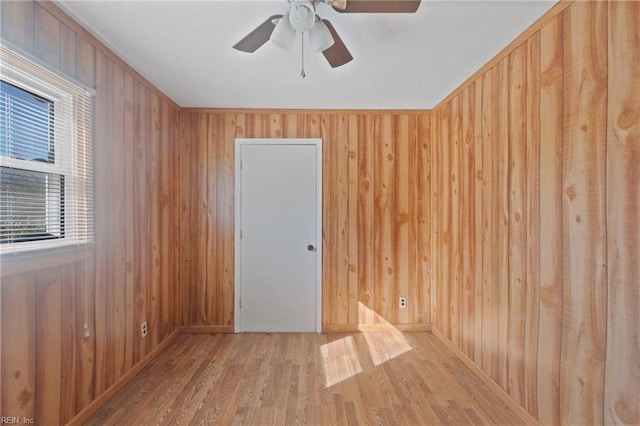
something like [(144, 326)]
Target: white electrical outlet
[(143, 329), (403, 302)]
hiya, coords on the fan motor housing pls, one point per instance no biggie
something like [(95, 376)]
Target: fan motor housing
[(302, 15)]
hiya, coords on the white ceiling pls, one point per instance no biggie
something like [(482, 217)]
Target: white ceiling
[(401, 61)]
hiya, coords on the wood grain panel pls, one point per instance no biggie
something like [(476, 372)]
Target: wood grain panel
[(129, 226), (558, 130), (402, 137), (352, 219), (517, 221), (384, 225), (490, 289), (468, 223), (436, 206), (19, 345), (622, 370), (48, 356), (583, 213), (477, 239), (501, 78), (366, 183), (18, 23), (550, 306), (419, 220), (68, 336), (368, 196), (531, 296), (47, 38), (455, 220), (444, 214), (71, 324)]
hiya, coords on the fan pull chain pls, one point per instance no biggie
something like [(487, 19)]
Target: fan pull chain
[(302, 73)]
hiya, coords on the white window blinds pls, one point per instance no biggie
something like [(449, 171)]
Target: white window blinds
[(46, 184)]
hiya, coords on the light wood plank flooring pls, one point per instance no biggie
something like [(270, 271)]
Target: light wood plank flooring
[(386, 378)]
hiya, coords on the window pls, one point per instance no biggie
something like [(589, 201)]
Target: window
[(46, 190)]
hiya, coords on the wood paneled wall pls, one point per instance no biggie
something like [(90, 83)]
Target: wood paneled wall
[(536, 194), (376, 212), (50, 371)]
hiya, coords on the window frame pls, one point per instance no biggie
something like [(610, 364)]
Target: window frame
[(66, 145)]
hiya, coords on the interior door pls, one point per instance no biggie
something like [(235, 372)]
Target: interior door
[(277, 269)]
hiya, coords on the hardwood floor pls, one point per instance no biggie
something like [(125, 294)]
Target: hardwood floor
[(319, 379)]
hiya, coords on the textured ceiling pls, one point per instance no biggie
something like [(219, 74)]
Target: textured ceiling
[(401, 61)]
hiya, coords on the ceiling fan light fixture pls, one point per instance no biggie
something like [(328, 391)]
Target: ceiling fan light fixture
[(283, 34), (302, 15), (339, 4), (320, 37)]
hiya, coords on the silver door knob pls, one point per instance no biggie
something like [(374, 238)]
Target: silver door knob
[(311, 247)]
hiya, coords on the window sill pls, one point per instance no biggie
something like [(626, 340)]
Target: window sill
[(34, 260)]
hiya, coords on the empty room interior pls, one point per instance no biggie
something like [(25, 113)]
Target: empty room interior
[(320, 212)]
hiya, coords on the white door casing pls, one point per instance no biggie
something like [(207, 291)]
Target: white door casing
[(278, 216)]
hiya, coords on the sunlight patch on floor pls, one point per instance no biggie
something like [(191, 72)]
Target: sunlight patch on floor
[(339, 360), (384, 342), (382, 345), (385, 345)]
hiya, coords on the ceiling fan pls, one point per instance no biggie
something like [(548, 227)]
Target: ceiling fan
[(302, 17)]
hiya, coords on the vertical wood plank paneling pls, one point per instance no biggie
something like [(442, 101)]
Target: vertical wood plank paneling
[(129, 221), (48, 356), (85, 62), (101, 224), (290, 126), (212, 130), (19, 345), (419, 224), (228, 206), (166, 244), (502, 133), (117, 197), (352, 274), (330, 230), (517, 222), (176, 215), (622, 385), (18, 23), (445, 222), (68, 334), (436, 222), (455, 221), (187, 261), (468, 221), (478, 186), (46, 39), (584, 230), (366, 184), (142, 270), (107, 324), (532, 252), (490, 292), (107, 290), (401, 231), (384, 222), (201, 203), (340, 131), (550, 320), (273, 126), (67, 50), (352, 219), (85, 346), (153, 216)]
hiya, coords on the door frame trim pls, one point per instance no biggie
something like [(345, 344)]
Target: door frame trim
[(239, 143)]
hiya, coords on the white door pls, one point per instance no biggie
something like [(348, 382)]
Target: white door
[(278, 233)]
